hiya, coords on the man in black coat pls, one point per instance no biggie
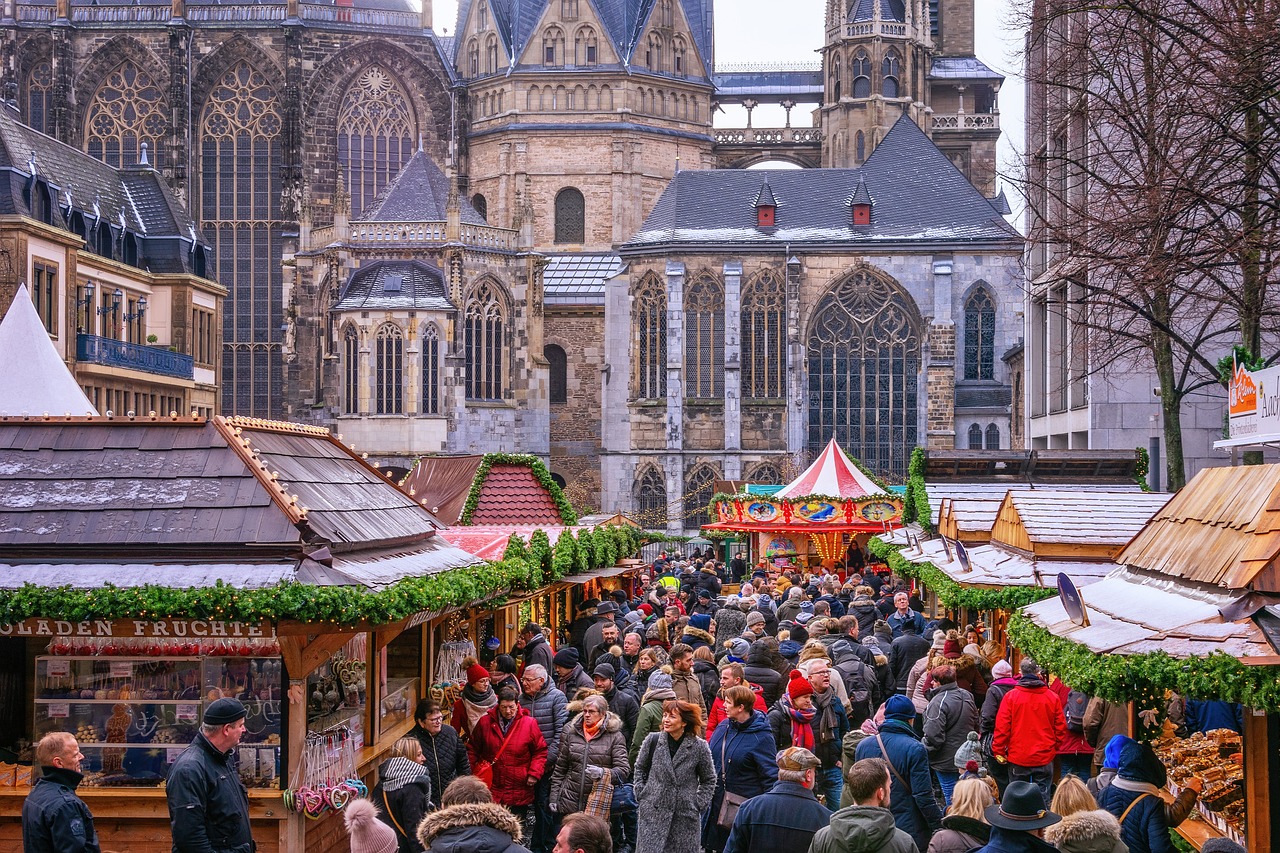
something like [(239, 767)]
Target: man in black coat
[(54, 819), (786, 817), (621, 702), (534, 646), (908, 648), (208, 806)]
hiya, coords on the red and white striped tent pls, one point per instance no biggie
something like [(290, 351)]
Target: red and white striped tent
[(832, 475)]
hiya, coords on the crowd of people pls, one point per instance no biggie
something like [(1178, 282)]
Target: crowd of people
[(808, 711)]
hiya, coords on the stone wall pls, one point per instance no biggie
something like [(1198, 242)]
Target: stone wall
[(576, 423)]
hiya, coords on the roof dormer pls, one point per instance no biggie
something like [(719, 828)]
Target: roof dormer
[(860, 203), (766, 207)]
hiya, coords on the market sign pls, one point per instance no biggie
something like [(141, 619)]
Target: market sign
[(136, 628), (1253, 404)]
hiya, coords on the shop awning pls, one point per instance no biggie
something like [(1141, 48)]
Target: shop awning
[(610, 572)]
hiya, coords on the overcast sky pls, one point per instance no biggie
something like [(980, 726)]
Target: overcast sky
[(771, 31)]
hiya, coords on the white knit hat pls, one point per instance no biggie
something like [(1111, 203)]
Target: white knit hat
[(368, 833)]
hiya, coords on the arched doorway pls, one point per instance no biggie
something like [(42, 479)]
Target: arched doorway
[(864, 371)]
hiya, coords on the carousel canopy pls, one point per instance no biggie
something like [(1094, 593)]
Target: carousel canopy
[(833, 475)]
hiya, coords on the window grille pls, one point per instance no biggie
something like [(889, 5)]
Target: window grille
[(571, 216), (975, 437), (377, 134), (127, 110), (40, 97), (993, 437), (389, 370), (350, 370), (651, 499), (431, 371), (699, 486), (486, 347), (704, 338), (650, 323), (979, 335), (765, 474), (764, 335)]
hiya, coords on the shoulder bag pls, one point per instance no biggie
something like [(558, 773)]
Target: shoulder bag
[(731, 802), (484, 769), (1136, 800), (884, 753)]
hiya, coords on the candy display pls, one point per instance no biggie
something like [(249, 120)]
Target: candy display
[(1217, 758)]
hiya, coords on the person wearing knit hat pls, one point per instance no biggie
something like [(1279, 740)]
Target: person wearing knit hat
[(738, 650), (368, 834), (1001, 669), (792, 717), (755, 624), (569, 673), (915, 811), (899, 706), (475, 700), (647, 610)]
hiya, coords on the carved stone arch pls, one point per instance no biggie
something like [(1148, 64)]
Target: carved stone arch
[(323, 92), (213, 68), (36, 54), (107, 59), (869, 272)]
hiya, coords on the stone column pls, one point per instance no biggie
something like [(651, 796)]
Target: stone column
[(674, 462), (732, 360), (940, 377), (795, 349)]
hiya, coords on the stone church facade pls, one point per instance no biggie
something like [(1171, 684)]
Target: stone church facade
[(552, 129)]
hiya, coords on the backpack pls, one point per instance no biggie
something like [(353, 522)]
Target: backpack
[(860, 683), (1077, 703)]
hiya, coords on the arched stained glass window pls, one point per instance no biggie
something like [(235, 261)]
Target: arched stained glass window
[(764, 335), (558, 374), (377, 134), (863, 370), (993, 437), (861, 69), (704, 338), (571, 216), (979, 335), (649, 320), (39, 96), (975, 437), (651, 499), (240, 162), (698, 489), (350, 370), (486, 346), (127, 110), (891, 70), (431, 371), (388, 367), (765, 474)]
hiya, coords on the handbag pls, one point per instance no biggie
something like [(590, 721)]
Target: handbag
[(600, 800), (484, 769), (624, 799), (731, 802)]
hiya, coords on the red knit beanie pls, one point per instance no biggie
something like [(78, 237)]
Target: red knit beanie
[(475, 672), (798, 685), (951, 649)]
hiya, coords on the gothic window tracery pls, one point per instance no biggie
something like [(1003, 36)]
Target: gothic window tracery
[(585, 47), (127, 110), (666, 15), (891, 70), (482, 14), (491, 54), (704, 338), (678, 52), (473, 58), (699, 487), (863, 371), (975, 437), (653, 53), (993, 437), (39, 96), (861, 72), (860, 147), (569, 10), (979, 335), (376, 135), (239, 210), (764, 319), (651, 498), (350, 370), (431, 370), (388, 367), (649, 320), (765, 474), (485, 343), (571, 216)]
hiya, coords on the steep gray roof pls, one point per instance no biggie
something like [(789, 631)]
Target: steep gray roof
[(392, 285), (890, 10), (919, 197), (578, 279), (420, 193), (961, 68)]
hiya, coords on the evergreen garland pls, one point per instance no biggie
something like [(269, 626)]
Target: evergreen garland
[(515, 549), (1142, 467), (952, 594), (540, 555), (564, 556), (540, 473)]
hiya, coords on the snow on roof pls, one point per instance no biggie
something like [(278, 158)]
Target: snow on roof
[(993, 566), (33, 377), (833, 475)]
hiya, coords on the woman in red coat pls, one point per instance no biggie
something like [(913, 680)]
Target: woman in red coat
[(509, 739)]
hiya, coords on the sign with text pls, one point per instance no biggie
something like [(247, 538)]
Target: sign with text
[(180, 628), (1253, 403)]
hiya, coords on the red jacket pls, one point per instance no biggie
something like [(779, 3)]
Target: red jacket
[(1073, 743), (525, 755), (717, 709), (1030, 725)]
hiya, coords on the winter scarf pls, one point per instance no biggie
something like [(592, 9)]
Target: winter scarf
[(477, 704), (825, 730), (398, 772), (590, 731), (802, 726)]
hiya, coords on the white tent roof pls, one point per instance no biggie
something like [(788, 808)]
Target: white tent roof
[(832, 474), (33, 377)]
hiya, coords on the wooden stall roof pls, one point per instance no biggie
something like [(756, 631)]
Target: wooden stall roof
[(1133, 613), (444, 483), (1222, 528), (969, 521), (993, 566), (510, 493), (605, 519), (1083, 524)]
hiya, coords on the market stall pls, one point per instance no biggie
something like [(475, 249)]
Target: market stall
[(815, 519)]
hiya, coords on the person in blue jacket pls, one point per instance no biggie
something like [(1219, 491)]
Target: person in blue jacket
[(1207, 715), (1135, 795), (745, 759), (915, 811)]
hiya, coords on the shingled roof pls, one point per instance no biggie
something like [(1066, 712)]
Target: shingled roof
[(920, 198), (392, 285), (420, 193), (508, 490)]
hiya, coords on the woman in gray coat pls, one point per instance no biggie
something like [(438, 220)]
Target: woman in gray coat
[(674, 782), (591, 745)]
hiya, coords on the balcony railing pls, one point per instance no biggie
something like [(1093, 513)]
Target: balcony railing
[(769, 136), (385, 18), (967, 121), (234, 13), (112, 353), (412, 233), (874, 28)]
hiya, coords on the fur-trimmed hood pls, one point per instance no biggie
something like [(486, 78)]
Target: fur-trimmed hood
[(612, 722), (468, 816), (1095, 831), (699, 634)]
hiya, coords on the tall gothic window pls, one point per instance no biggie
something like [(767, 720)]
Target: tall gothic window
[(485, 345), (571, 216), (481, 204), (666, 15), (40, 96), (863, 366), (240, 163), (979, 335), (678, 55), (376, 135), (350, 370), (585, 47), (699, 486), (653, 53), (473, 58), (127, 110), (861, 75), (431, 371), (764, 335), (558, 373), (975, 437), (651, 499), (993, 437), (388, 367), (650, 321), (553, 46), (483, 14), (569, 10), (765, 474), (704, 338), (891, 70), (860, 147), (491, 54)]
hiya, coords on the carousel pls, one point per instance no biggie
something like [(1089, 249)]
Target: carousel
[(817, 518)]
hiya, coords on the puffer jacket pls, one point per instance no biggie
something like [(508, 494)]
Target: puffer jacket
[(914, 808), (759, 671), (745, 759), (1035, 714), (570, 783), (549, 710), (650, 719), (862, 829), (959, 834), (471, 828), (538, 651), (1087, 832), (864, 608), (709, 678), (446, 756), (1145, 829), (208, 806), (950, 717), (523, 755)]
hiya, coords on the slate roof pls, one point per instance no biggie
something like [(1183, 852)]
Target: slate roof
[(1001, 204), (86, 488), (578, 279), (137, 198), (890, 10), (390, 5), (420, 193), (961, 68), (392, 285), (919, 195), (754, 83), (511, 494)]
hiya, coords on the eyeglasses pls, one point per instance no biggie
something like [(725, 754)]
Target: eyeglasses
[(437, 719)]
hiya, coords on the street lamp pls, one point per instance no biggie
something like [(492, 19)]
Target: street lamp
[(114, 307), (83, 306), (141, 309)]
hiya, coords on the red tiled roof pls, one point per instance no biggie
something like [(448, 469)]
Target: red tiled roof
[(489, 542), (511, 494)]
